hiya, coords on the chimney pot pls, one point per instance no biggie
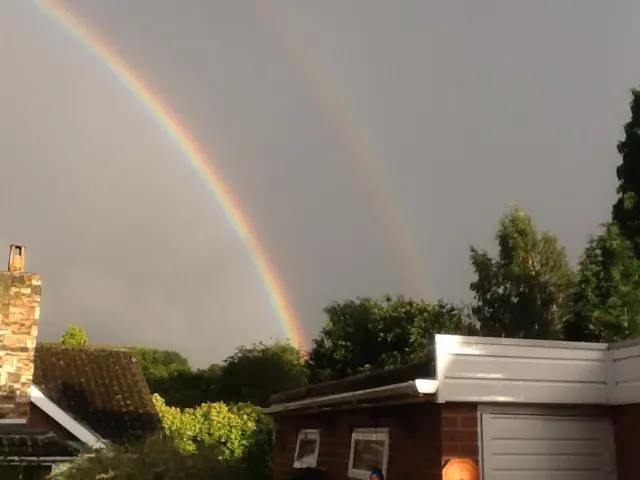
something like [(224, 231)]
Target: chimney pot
[(16, 258)]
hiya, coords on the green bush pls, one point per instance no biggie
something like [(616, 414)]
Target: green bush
[(213, 441), (238, 431), (155, 459)]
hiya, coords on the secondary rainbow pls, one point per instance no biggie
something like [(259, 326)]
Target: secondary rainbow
[(195, 153), (286, 27)]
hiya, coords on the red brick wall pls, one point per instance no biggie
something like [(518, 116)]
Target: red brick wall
[(626, 421), (421, 436), (459, 423)]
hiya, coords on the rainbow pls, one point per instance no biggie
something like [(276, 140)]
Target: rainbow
[(355, 139), (196, 155)]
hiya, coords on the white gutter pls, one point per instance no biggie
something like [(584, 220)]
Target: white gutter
[(419, 386)]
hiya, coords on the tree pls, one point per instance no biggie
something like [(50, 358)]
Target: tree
[(524, 291), (606, 300), (626, 210), (370, 334), (252, 374), (440, 317), (74, 335), (158, 363), (188, 388)]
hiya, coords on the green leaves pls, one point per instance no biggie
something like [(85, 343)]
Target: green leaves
[(232, 429), (524, 291), (74, 335), (158, 363), (626, 210), (371, 334), (606, 301), (157, 458), (215, 441), (252, 374)]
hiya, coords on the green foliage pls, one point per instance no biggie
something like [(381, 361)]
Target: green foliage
[(524, 291), (606, 300), (252, 374), (188, 388), (74, 335), (233, 429), (439, 317), (213, 441), (155, 459), (369, 334), (626, 210), (157, 363)]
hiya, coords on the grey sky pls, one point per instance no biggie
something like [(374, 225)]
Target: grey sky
[(335, 123)]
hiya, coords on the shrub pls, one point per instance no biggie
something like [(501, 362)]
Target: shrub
[(213, 441), (155, 459)]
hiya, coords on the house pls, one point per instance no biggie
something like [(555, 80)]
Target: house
[(57, 401), (487, 408)]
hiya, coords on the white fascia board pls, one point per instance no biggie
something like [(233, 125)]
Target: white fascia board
[(78, 430), (420, 386), (446, 340)]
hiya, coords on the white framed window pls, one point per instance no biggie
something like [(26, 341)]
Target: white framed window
[(307, 448), (369, 451)]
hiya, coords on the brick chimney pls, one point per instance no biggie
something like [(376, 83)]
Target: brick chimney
[(19, 314)]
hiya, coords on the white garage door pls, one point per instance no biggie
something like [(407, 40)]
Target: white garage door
[(547, 447)]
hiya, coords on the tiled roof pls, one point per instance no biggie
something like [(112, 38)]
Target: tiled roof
[(365, 381), (34, 444), (104, 389)]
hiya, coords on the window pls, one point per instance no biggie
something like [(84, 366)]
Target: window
[(307, 449), (369, 451)]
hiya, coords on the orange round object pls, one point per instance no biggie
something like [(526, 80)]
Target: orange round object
[(460, 469)]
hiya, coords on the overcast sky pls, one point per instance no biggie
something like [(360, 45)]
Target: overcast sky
[(370, 142)]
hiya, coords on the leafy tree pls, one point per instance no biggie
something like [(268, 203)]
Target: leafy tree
[(252, 374), (524, 291), (626, 210), (440, 317), (74, 335), (157, 363), (606, 300), (369, 334), (188, 388)]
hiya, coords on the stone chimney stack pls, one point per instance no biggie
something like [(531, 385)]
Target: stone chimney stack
[(16, 258), (19, 314)]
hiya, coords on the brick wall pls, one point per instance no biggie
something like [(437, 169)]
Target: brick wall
[(626, 422), (459, 422), (421, 437), (19, 313)]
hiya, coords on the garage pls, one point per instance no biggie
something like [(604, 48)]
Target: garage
[(546, 446)]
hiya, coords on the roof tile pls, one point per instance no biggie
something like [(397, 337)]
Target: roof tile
[(102, 388)]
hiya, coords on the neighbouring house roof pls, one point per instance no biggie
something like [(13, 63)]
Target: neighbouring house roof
[(103, 389), (424, 369)]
